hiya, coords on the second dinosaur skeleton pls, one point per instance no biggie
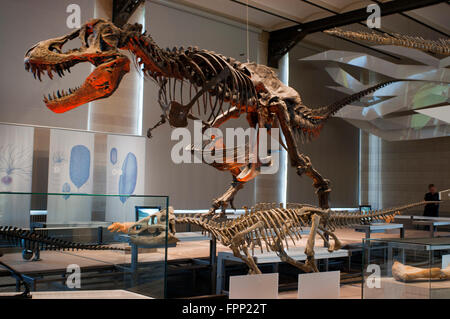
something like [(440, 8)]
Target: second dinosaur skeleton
[(441, 46), (266, 227)]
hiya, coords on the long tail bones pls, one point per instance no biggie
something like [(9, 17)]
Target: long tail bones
[(34, 242)]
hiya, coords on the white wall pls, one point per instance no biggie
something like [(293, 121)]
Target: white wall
[(403, 171), (335, 153), (190, 186)]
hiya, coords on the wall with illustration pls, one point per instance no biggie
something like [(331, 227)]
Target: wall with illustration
[(16, 162)]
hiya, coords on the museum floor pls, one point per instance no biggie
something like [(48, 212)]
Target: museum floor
[(53, 261)]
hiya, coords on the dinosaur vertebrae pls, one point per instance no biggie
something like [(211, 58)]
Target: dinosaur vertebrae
[(329, 110), (343, 219), (33, 240), (441, 46), (222, 79)]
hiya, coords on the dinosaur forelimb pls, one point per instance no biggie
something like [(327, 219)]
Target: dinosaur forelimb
[(253, 267), (287, 259), (248, 259), (321, 184), (337, 244), (284, 257)]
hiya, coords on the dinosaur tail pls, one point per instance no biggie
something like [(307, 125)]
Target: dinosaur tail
[(346, 219), (441, 46), (32, 240), (324, 113)]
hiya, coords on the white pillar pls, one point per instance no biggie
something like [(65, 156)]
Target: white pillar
[(122, 111), (272, 187)]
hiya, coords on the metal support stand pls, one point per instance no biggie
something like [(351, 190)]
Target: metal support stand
[(134, 263), (213, 263), (100, 235)]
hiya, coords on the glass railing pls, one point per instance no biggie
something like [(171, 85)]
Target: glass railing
[(66, 242)]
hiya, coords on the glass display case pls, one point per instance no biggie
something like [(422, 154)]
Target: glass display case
[(67, 243), (406, 268)]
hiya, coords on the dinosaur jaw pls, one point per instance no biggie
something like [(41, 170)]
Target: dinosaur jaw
[(101, 83)]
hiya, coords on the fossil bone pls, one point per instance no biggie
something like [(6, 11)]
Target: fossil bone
[(406, 273)]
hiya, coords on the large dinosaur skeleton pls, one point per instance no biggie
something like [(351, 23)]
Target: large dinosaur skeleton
[(267, 227), (217, 89)]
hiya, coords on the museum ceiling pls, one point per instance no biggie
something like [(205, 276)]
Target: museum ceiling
[(272, 15), (407, 110)]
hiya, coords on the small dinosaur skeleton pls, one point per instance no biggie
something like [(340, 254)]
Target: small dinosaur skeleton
[(218, 88), (269, 227), (441, 46)]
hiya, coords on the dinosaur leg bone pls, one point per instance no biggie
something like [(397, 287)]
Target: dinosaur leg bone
[(337, 243), (284, 257), (227, 197), (309, 250), (321, 184), (236, 242), (298, 160), (253, 268), (324, 238)]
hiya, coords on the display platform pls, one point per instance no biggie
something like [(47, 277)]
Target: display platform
[(297, 253), (393, 289), (84, 294)]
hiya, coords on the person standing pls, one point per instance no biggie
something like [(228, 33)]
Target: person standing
[(431, 210)]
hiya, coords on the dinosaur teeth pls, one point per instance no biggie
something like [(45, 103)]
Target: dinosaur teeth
[(49, 72)]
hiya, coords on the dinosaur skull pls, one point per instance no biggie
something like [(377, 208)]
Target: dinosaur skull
[(151, 230), (101, 41)]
